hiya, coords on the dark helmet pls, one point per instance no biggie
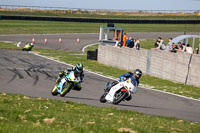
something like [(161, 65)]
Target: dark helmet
[(137, 73), (79, 67)]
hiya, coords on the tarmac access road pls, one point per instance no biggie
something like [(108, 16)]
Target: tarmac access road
[(31, 75)]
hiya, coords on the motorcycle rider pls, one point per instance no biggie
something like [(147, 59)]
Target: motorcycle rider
[(28, 47), (134, 80), (78, 72)]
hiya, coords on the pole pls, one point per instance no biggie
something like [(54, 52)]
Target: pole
[(199, 47)]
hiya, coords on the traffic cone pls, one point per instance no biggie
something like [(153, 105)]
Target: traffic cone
[(60, 41), (78, 40), (45, 41), (33, 40)]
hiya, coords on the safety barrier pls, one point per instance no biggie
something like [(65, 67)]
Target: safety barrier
[(179, 67), (96, 20)]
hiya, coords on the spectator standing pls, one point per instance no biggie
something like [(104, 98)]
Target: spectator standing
[(117, 44), (174, 48), (157, 43), (124, 38), (181, 46), (128, 41), (131, 44), (189, 49), (197, 50), (168, 45), (137, 44), (160, 44)]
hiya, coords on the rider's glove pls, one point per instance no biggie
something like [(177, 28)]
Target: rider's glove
[(61, 74), (123, 79)]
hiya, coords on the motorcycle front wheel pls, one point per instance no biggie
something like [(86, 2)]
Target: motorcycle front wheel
[(54, 91), (66, 88), (102, 98), (119, 97)]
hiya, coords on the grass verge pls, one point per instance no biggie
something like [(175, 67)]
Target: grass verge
[(26, 114)]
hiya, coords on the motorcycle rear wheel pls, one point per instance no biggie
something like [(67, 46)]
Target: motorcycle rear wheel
[(66, 88), (54, 91), (118, 99)]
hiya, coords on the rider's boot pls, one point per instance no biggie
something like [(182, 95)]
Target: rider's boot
[(77, 87)]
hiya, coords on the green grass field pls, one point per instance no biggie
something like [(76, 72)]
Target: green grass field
[(52, 27), (22, 114)]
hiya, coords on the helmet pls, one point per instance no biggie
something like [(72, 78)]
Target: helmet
[(79, 67), (137, 73)]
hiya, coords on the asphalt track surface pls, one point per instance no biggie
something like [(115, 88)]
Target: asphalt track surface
[(31, 75)]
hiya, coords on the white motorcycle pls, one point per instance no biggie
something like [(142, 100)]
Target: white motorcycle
[(117, 93)]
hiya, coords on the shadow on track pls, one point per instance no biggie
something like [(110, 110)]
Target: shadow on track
[(127, 105), (91, 99), (136, 106)]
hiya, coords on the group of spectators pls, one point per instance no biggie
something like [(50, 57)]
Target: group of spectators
[(159, 44), (182, 47), (129, 42)]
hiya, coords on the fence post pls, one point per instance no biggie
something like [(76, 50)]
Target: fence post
[(199, 47), (148, 66), (189, 65)]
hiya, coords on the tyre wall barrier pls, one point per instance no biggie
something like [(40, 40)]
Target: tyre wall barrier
[(179, 67), (98, 20), (92, 55)]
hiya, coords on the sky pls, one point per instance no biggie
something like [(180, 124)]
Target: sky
[(111, 4)]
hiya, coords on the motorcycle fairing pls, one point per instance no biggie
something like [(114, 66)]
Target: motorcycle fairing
[(125, 84), (71, 77), (60, 85), (110, 96)]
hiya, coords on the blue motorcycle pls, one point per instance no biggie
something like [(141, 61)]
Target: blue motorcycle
[(66, 83)]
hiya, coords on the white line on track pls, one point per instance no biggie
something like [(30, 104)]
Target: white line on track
[(83, 49)]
